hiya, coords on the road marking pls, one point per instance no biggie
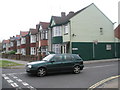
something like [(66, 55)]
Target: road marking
[(30, 87), (15, 77), (6, 77), (9, 81), (102, 82), (19, 80), (14, 85), (3, 75), (25, 84)]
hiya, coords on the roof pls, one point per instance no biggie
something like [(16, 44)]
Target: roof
[(117, 32), (33, 31), (6, 41), (17, 37), (44, 25), (63, 20), (23, 33)]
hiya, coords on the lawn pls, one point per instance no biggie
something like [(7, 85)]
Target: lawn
[(4, 63)]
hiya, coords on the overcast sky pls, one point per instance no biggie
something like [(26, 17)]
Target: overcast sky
[(20, 15)]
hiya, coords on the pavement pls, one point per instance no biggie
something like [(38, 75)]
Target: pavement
[(111, 82)]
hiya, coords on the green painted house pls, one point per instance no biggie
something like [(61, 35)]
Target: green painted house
[(87, 32)]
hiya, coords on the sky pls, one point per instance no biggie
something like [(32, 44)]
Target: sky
[(21, 15)]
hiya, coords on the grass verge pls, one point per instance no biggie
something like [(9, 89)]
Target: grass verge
[(4, 64)]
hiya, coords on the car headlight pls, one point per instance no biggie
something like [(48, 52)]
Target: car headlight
[(29, 66)]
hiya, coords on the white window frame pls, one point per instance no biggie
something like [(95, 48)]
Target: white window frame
[(23, 40), (33, 50), (108, 47), (33, 38), (57, 31), (18, 51), (23, 51), (57, 48), (18, 42), (11, 44), (66, 29)]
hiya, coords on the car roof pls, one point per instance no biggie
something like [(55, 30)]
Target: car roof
[(66, 54)]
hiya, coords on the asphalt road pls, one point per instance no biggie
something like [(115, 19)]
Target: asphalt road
[(92, 73)]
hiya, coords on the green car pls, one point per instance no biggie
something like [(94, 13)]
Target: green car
[(54, 63)]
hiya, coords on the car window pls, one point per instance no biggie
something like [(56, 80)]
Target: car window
[(57, 57), (47, 58), (77, 57), (68, 57)]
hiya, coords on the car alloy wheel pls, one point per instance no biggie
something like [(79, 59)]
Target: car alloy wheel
[(41, 72), (76, 69)]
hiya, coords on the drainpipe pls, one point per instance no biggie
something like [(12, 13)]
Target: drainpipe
[(70, 38), (114, 40)]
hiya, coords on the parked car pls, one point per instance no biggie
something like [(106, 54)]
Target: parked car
[(54, 63)]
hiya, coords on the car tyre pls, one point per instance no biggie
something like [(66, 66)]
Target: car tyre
[(76, 69), (41, 72)]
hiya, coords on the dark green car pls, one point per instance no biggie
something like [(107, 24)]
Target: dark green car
[(56, 63)]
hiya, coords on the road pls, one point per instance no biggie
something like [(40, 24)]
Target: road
[(92, 73)]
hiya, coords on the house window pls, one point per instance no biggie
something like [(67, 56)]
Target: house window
[(33, 50), (101, 31), (57, 31), (23, 40), (57, 48), (18, 43), (37, 37), (18, 50), (11, 44), (4, 45), (44, 34), (66, 29), (33, 38), (23, 51), (108, 47)]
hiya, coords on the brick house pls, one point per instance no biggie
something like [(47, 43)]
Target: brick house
[(18, 44), (5, 46), (33, 34), (13, 44), (43, 34), (23, 42), (117, 41)]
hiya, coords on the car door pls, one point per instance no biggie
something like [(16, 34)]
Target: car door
[(55, 63), (68, 62)]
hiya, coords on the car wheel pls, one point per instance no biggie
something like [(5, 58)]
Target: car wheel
[(41, 72), (76, 69)]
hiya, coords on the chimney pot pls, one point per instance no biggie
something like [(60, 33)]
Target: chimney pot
[(63, 14)]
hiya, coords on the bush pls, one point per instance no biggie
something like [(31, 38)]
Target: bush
[(12, 52)]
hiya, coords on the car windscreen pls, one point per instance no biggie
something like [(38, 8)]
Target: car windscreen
[(47, 58)]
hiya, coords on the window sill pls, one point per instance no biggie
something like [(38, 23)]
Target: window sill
[(66, 34)]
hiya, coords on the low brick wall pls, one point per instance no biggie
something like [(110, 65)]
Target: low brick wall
[(20, 57)]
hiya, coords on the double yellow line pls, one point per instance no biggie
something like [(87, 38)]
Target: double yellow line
[(102, 82)]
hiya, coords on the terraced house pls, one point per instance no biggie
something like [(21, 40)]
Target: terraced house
[(23, 42), (117, 41), (43, 36), (87, 32)]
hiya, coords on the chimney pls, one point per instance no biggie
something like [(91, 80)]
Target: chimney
[(63, 14), (71, 12)]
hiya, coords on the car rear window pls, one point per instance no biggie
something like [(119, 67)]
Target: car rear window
[(77, 57)]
